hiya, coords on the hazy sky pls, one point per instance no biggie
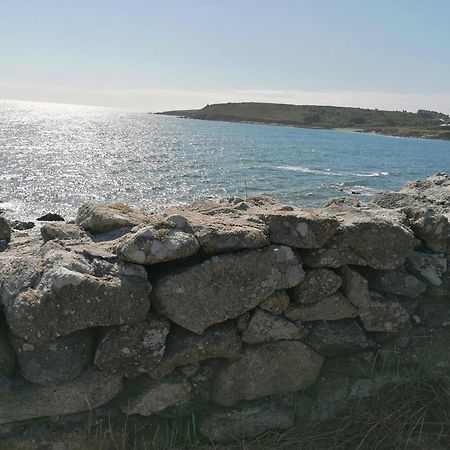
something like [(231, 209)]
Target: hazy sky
[(165, 54)]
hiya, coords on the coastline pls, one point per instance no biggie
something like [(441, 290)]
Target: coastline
[(396, 133)]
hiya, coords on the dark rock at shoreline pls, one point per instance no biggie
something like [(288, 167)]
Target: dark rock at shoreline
[(51, 217)]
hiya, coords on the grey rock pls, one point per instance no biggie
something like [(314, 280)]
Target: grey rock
[(265, 327), (338, 337), (276, 303), (133, 349), (367, 237), (248, 421), (430, 226), (61, 231), (220, 226), (334, 307), (301, 228), (429, 266), (361, 365), (355, 287), (225, 286), (317, 285), (151, 245), (29, 401), (100, 218), (80, 286), (5, 229), (218, 341), (145, 396), (22, 226), (56, 361), (269, 369), (51, 217), (384, 314), (397, 282), (7, 355)]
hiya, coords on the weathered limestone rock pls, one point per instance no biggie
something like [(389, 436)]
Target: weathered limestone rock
[(5, 229), (56, 361), (265, 327), (145, 397), (430, 226), (7, 355), (317, 285), (100, 218), (218, 341), (355, 287), (276, 303), (132, 349), (334, 307), (29, 401), (397, 282), (248, 421), (224, 287), (384, 314), (366, 237), (337, 338), (429, 266), (81, 286), (62, 231), (269, 369), (301, 228), (221, 226), (152, 245)]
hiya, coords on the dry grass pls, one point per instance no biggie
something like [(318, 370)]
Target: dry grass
[(409, 417)]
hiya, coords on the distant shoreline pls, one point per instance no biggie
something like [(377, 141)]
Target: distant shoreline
[(420, 125)]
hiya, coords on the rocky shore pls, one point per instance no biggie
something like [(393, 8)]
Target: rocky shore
[(234, 310)]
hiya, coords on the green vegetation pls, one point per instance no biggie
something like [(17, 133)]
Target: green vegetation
[(423, 123)]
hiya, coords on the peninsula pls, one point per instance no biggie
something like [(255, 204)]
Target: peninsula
[(421, 124)]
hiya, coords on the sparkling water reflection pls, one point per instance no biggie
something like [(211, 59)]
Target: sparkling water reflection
[(55, 157)]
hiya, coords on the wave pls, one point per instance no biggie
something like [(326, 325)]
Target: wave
[(310, 170)]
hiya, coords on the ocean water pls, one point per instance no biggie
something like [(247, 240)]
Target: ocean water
[(55, 157)]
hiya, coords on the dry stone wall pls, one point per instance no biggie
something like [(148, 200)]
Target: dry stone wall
[(232, 309)]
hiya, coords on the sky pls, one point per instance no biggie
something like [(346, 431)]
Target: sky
[(174, 54)]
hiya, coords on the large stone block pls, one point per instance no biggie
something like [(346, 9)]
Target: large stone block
[(29, 401), (269, 369), (224, 287)]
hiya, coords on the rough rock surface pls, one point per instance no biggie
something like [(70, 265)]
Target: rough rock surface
[(224, 287), (429, 266), (317, 285), (146, 396), (276, 303), (7, 355), (61, 231), (57, 361), (367, 237), (397, 282), (152, 245), (132, 349), (99, 218), (298, 227), (28, 401), (384, 314), (265, 327), (355, 287), (337, 338), (245, 422), (80, 287), (5, 229), (218, 341), (261, 371), (334, 307)]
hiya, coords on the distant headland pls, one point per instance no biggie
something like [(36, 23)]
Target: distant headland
[(421, 124)]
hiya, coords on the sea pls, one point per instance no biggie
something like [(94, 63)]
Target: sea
[(55, 157)]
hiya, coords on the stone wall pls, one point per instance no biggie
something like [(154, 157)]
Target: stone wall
[(234, 309)]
